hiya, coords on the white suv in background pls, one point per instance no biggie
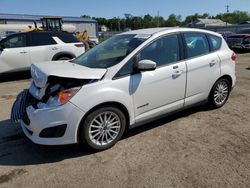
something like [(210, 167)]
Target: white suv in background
[(19, 51), (129, 79)]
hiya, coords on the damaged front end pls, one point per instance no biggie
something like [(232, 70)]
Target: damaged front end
[(53, 84), (57, 91)]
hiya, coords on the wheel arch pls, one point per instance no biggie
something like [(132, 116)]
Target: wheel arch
[(227, 77), (63, 54), (111, 103)]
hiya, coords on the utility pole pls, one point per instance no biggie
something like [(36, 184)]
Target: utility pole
[(119, 25), (227, 8), (158, 18)]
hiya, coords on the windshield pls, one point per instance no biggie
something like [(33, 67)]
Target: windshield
[(111, 51)]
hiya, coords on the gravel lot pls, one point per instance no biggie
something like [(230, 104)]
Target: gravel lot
[(194, 148)]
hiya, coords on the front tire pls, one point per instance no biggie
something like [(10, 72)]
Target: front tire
[(102, 128), (220, 93)]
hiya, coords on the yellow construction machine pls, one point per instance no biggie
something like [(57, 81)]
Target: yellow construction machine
[(53, 23)]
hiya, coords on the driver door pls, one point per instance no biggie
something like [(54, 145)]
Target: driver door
[(162, 90)]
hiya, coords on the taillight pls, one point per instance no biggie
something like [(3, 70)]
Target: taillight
[(234, 56), (79, 45)]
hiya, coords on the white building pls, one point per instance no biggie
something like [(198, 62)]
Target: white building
[(203, 23), (10, 23)]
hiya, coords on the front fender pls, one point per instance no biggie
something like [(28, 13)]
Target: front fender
[(101, 92)]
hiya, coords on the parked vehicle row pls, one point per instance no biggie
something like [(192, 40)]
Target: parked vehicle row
[(19, 51), (238, 41), (127, 80)]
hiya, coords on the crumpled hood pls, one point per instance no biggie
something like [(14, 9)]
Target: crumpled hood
[(41, 71)]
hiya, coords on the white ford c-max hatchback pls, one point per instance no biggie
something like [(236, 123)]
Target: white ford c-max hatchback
[(125, 81)]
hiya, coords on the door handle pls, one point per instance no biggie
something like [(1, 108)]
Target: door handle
[(54, 48), (212, 63), (23, 52), (177, 73)]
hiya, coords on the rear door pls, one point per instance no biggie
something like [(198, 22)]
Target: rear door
[(15, 56), (42, 47), (203, 67)]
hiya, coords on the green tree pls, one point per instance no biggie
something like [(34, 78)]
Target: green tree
[(147, 21), (235, 17), (173, 20)]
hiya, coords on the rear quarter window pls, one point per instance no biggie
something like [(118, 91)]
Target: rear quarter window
[(67, 38), (215, 42)]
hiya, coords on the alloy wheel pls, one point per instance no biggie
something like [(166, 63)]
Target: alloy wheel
[(104, 128), (221, 93)]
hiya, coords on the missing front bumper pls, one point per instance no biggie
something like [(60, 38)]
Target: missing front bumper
[(18, 111)]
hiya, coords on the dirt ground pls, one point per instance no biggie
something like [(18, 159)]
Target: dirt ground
[(194, 148)]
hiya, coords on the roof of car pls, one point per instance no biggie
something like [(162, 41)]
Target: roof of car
[(41, 31), (152, 31)]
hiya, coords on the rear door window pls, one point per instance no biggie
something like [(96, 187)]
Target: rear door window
[(41, 39), (196, 44)]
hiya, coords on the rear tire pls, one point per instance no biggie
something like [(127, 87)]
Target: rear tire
[(102, 128), (219, 93)]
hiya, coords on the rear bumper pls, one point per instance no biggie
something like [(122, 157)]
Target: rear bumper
[(41, 119)]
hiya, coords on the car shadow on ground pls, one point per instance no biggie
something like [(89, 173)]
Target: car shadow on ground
[(17, 150), (22, 75)]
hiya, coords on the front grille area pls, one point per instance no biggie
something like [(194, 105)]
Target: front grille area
[(19, 106), (18, 112)]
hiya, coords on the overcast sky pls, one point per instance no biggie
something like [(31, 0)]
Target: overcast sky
[(117, 8)]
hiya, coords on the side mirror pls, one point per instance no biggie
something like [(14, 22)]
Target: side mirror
[(145, 65)]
